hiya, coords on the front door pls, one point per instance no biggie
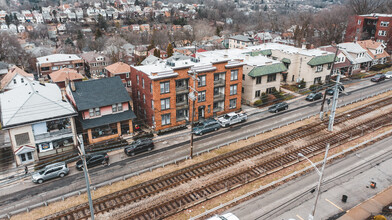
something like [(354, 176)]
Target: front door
[(201, 113)]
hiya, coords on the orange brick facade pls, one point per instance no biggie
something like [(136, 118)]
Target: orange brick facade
[(150, 115)]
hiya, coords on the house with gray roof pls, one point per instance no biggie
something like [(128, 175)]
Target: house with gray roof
[(104, 107), (39, 120), (240, 41), (357, 55)]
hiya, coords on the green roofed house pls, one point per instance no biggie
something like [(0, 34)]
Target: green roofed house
[(261, 74)]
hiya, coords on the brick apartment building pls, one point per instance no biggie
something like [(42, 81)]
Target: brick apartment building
[(370, 26), (48, 64), (95, 63), (160, 91)]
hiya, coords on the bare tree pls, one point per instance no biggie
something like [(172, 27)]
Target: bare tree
[(11, 51), (114, 49), (361, 7)]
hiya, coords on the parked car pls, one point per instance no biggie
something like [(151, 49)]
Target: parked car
[(388, 74), (227, 216), (331, 90), (232, 118), (206, 126), (50, 171), (378, 77), (314, 96), (278, 107), (93, 160), (138, 146)]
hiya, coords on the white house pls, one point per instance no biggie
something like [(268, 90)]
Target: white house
[(39, 120), (14, 78), (21, 28)]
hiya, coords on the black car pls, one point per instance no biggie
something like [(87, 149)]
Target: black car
[(278, 107), (331, 90), (378, 78), (314, 96), (138, 146), (93, 160)]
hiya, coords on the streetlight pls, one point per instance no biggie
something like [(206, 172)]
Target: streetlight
[(320, 173)]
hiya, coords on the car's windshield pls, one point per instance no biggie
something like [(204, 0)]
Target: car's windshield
[(311, 94), (226, 117), (41, 172)]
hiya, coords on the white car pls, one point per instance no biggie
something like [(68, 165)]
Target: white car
[(388, 74), (227, 216)]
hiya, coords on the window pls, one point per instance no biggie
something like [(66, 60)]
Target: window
[(143, 83), (152, 104), (233, 103), (22, 80), (137, 79), (166, 119), (55, 68), (201, 96), (181, 114), (243, 76), (258, 80), (91, 111), (70, 66), (271, 77), (22, 139), (233, 89), (127, 75), (165, 104), (269, 90), (151, 88), (119, 107), (382, 33), (144, 99), (114, 108), (317, 80), (319, 68), (234, 75), (329, 66), (138, 94), (257, 93), (129, 83), (202, 81), (384, 24), (97, 112), (165, 87), (26, 156), (14, 81), (359, 21)]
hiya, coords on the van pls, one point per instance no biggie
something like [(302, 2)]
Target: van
[(50, 171)]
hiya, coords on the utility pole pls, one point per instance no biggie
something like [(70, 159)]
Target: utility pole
[(192, 96), (334, 104), (90, 201), (329, 80)]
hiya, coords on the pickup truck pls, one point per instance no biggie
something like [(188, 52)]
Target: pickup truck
[(232, 118)]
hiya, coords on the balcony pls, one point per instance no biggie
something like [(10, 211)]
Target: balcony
[(219, 109), (182, 89), (220, 82), (53, 135), (219, 96), (182, 104)]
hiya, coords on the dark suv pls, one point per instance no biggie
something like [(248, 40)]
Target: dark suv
[(138, 146), (378, 77), (93, 160), (332, 89), (278, 107), (206, 126), (314, 96)]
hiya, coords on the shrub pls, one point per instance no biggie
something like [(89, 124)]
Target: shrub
[(315, 87), (379, 67), (277, 94), (301, 84), (264, 98), (258, 102)]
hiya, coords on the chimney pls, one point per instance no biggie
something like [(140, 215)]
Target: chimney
[(73, 88), (63, 95)]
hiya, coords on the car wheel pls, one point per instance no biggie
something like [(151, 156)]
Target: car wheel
[(215, 129), (62, 175), (40, 181), (201, 133), (276, 111), (149, 149), (133, 154), (286, 108)]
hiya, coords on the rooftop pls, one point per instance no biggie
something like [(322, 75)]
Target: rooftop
[(65, 73), (57, 58), (11, 74), (119, 67)]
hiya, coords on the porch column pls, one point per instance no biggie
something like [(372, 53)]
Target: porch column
[(130, 126), (119, 128), (90, 136)]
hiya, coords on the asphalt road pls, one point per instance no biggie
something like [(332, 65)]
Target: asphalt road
[(25, 193), (349, 176)]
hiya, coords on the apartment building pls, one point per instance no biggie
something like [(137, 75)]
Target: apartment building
[(161, 91), (370, 26), (48, 64)]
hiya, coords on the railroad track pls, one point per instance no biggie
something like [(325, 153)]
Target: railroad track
[(160, 184)]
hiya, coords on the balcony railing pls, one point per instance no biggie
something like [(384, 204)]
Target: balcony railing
[(220, 82), (182, 89), (182, 104), (53, 134), (219, 96)]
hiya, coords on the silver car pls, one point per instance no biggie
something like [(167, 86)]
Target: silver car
[(388, 74), (50, 171)]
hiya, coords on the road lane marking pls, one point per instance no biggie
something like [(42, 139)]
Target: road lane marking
[(300, 217), (334, 205)]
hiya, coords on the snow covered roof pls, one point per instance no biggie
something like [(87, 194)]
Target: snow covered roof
[(57, 58), (33, 102), (352, 47)]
